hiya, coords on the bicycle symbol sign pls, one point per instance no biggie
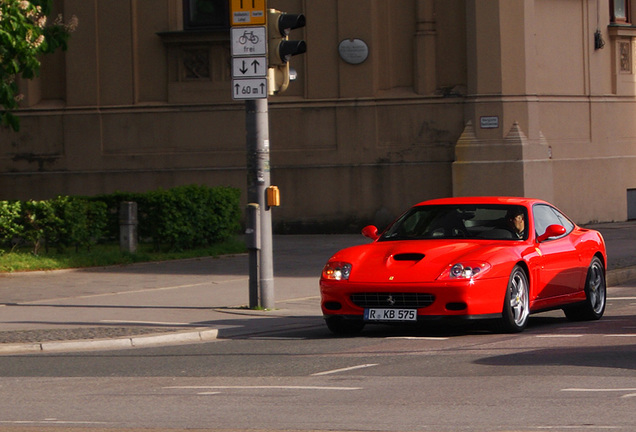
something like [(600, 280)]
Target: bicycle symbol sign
[(248, 41), (248, 36)]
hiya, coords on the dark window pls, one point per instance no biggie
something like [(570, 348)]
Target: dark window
[(483, 221), (206, 14), (619, 11)]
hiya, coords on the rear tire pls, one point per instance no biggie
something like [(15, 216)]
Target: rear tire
[(593, 307), (344, 327), (516, 307)]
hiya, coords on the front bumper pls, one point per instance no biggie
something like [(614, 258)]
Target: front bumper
[(468, 299)]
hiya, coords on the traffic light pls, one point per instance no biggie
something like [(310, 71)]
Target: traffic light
[(280, 48)]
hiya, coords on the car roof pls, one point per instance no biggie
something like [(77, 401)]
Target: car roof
[(484, 200)]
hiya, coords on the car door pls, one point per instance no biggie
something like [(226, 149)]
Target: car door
[(559, 270)]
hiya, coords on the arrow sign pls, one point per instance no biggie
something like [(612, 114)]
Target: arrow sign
[(255, 88), (249, 67)]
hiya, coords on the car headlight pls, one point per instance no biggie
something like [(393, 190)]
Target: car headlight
[(336, 270), (465, 270)]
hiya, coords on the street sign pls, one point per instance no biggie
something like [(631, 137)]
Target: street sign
[(247, 12), (249, 67), (248, 41), (254, 88)]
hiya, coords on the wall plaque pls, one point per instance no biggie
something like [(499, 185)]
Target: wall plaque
[(353, 51)]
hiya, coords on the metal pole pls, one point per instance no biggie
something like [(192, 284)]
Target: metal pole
[(258, 180)]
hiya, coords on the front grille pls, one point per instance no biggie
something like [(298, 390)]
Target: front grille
[(397, 300)]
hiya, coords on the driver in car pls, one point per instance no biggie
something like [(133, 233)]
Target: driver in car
[(516, 224)]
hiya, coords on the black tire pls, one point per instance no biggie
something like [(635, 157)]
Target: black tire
[(593, 307), (516, 307), (344, 327)]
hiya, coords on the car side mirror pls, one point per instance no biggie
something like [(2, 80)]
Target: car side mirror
[(371, 232), (551, 231)]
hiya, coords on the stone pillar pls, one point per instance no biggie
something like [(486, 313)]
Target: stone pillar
[(501, 150)]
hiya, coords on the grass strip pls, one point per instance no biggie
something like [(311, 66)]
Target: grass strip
[(106, 255)]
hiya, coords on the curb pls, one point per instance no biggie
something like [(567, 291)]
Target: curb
[(620, 276), (117, 343)]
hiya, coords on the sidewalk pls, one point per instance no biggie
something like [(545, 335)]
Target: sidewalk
[(192, 300)]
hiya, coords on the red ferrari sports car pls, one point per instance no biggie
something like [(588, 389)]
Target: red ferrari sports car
[(478, 257)]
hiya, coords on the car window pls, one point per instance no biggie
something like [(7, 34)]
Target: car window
[(545, 215), (492, 221)]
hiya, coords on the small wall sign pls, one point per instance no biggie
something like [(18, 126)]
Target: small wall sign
[(489, 122), (353, 51)]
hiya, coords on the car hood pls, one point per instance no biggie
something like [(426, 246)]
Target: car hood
[(410, 261)]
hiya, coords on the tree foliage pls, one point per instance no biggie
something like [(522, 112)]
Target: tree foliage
[(25, 34)]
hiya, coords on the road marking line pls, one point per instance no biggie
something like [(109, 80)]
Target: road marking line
[(621, 298), (560, 336), (299, 299), (53, 421), (599, 390), (334, 371), (264, 387), (430, 338), (146, 322), (591, 427), (621, 335), (138, 291), (276, 338)]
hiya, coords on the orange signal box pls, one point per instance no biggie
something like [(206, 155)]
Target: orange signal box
[(247, 12)]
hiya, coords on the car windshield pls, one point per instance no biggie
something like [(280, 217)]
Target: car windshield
[(492, 221)]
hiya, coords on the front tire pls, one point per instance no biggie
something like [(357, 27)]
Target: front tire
[(516, 308), (593, 307), (344, 327)]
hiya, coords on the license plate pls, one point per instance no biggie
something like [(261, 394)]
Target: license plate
[(377, 314)]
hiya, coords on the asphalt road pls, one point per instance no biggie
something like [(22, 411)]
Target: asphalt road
[(556, 376)]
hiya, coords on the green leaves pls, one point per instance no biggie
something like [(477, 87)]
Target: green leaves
[(182, 218), (185, 217), (25, 35)]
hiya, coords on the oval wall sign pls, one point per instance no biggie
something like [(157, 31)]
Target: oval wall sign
[(353, 51)]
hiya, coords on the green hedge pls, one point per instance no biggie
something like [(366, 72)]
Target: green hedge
[(181, 218), (59, 223)]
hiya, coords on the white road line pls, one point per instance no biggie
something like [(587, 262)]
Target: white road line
[(276, 338), (299, 299), (52, 421), (578, 427), (145, 322), (591, 390), (621, 335), (629, 391), (429, 338), (560, 336), (621, 298), (142, 290), (263, 387), (334, 371)]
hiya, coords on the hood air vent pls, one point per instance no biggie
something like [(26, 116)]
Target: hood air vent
[(408, 257)]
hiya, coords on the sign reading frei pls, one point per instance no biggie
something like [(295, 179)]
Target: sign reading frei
[(247, 12), (248, 41)]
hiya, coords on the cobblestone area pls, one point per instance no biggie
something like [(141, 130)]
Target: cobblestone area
[(48, 335)]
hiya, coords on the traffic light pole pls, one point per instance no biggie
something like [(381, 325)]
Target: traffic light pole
[(258, 180)]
